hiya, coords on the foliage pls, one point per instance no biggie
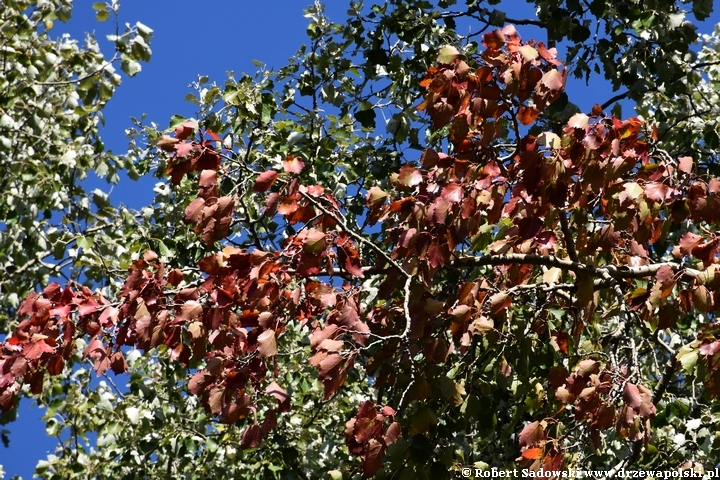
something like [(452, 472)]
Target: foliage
[(494, 280), (53, 93)]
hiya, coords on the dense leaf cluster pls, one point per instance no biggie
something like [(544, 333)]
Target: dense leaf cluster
[(492, 281)]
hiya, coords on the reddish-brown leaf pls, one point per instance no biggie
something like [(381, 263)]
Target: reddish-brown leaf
[(709, 348), (314, 241), (702, 299), (656, 191), (265, 181), (208, 178), (499, 302), (453, 193), (288, 205), (193, 212), (531, 435), (118, 363), (375, 198), (280, 394), (373, 457), (191, 310), (687, 243), (528, 115), (215, 399), (554, 80), (631, 395), (167, 143), (494, 40), (393, 432), (579, 121), (185, 130), (251, 437), (409, 176)]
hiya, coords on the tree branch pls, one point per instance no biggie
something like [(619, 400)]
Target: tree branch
[(569, 243), (614, 271)]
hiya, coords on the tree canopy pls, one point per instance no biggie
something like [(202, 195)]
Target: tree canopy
[(404, 253)]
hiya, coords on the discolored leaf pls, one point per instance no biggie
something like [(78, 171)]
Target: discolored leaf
[(267, 345), (264, 181), (531, 435), (448, 54), (293, 164), (409, 176)]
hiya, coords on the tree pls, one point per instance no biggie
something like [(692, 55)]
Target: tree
[(497, 280), (52, 93)]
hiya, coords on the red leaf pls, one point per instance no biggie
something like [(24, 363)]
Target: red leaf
[(293, 164), (687, 243), (453, 193), (685, 164), (251, 437), (265, 181), (280, 394), (208, 178), (55, 365), (185, 130), (28, 305), (631, 395), (409, 176), (373, 457), (531, 435), (392, 434), (314, 241), (35, 350), (53, 291), (493, 40)]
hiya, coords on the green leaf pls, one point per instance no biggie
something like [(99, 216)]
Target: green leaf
[(130, 67)]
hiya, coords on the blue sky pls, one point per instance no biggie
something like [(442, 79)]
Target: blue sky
[(193, 38)]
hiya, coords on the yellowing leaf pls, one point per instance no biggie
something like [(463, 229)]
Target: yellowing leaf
[(448, 54), (549, 140)]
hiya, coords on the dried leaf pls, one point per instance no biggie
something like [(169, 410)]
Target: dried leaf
[(267, 345)]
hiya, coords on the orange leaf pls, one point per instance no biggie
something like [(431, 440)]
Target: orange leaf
[(532, 453)]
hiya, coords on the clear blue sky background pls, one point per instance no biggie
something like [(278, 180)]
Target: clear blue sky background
[(202, 38)]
